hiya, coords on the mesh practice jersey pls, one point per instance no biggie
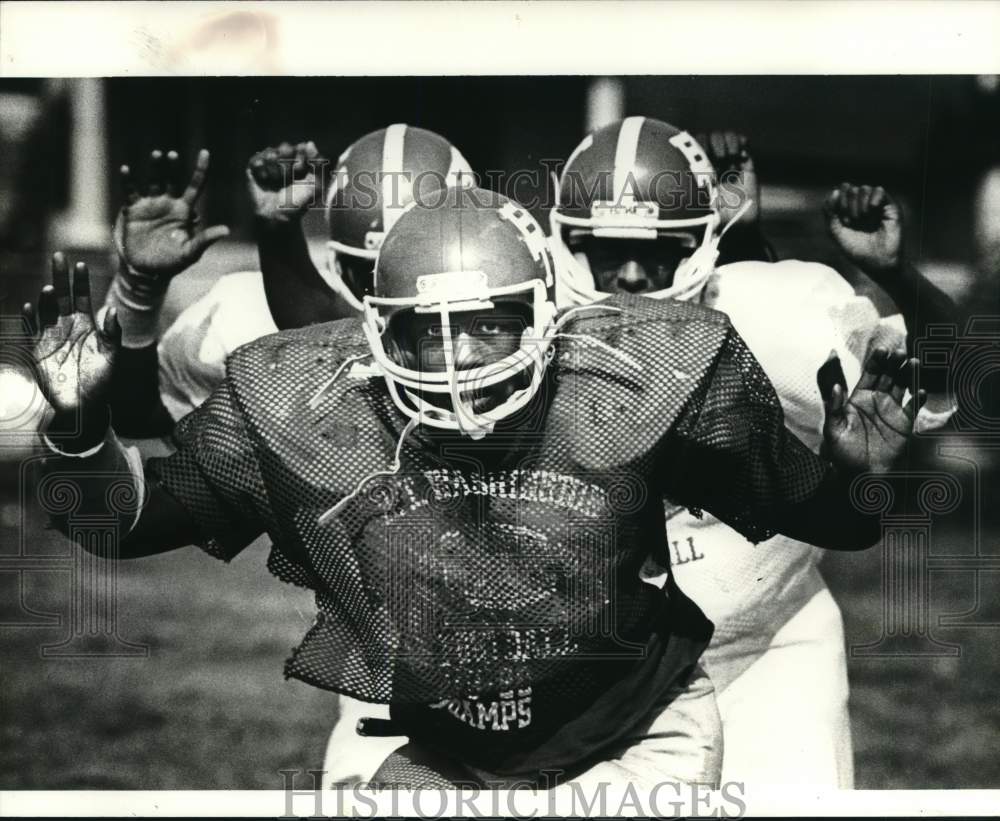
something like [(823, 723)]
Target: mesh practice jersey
[(791, 315), (194, 349), (485, 569)]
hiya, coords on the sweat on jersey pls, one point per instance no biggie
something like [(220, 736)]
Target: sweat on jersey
[(484, 570)]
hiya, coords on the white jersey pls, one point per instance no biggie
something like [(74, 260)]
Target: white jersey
[(193, 351), (792, 315)]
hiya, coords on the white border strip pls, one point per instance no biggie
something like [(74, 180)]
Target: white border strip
[(88, 39), (672, 801)]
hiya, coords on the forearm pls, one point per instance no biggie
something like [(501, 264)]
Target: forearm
[(296, 292), (919, 300), (105, 482), (828, 517), (136, 408)]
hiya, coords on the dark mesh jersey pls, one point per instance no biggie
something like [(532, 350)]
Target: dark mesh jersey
[(510, 564)]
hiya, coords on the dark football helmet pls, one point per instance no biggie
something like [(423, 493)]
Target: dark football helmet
[(637, 179), (374, 180), (473, 251)]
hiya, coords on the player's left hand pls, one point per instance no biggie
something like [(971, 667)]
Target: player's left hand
[(729, 152), (867, 225), (869, 430)]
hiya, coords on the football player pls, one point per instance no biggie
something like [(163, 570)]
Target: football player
[(374, 180), (471, 482), (640, 212)]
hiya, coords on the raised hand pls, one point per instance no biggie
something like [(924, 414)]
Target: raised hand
[(72, 356), (157, 230), (282, 181), (729, 152), (869, 430), (866, 224)]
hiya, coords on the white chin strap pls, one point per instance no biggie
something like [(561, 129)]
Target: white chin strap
[(575, 282)]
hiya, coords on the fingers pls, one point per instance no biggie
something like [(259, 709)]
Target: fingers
[(29, 319), (199, 243), (717, 141), (873, 367), (257, 169), (895, 372), (81, 288), (829, 375), (157, 174), (834, 407), (48, 308), (60, 284), (197, 182), (904, 379), (173, 174), (831, 204), (877, 198), (129, 192), (111, 328), (853, 211)]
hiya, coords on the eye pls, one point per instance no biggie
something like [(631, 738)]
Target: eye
[(490, 328), (436, 331)]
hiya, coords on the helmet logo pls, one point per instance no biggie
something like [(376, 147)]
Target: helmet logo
[(451, 286), (627, 208)]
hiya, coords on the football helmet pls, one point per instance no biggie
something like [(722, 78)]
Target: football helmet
[(474, 251), (636, 179), (373, 182)]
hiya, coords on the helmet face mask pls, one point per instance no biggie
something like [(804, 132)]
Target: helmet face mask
[(461, 319), (624, 265), (631, 183)]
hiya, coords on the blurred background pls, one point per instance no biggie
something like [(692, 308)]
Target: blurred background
[(205, 704)]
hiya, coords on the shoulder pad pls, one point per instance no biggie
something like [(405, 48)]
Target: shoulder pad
[(623, 404), (279, 374)]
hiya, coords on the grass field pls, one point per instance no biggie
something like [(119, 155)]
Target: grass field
[(209, 708)]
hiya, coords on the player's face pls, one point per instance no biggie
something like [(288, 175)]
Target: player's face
[(478, 339), (634, 266)]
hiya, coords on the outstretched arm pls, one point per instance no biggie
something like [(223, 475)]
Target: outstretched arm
[(73, 361), (157, 238), (282, 183), (867, 225), (739, 462)]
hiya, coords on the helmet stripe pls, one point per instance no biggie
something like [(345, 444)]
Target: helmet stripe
[(395, 189), (625, 153)]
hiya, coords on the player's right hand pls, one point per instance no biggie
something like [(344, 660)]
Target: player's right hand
[(72, 357), (866, 223), (157, 231), (869, 429), (282, 181)]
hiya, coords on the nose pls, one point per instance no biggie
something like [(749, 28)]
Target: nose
[(632, 278)]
